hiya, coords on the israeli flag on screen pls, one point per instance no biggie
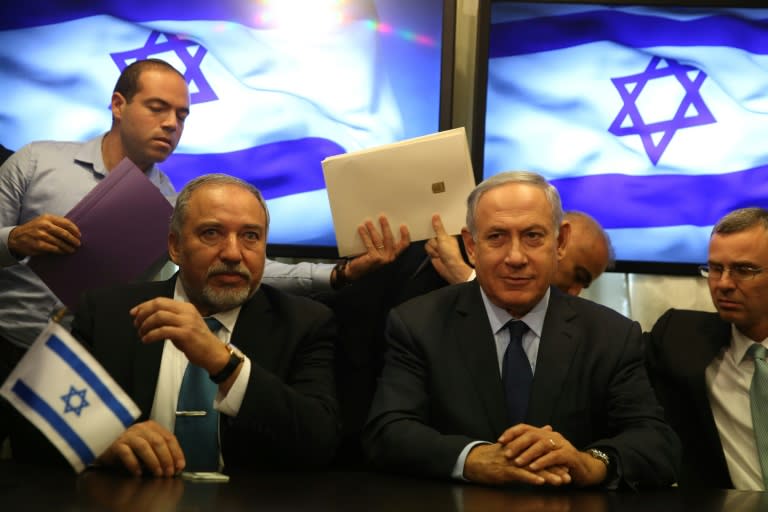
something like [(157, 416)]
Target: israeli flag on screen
[(61, 389), (653, 120), (268, 103)]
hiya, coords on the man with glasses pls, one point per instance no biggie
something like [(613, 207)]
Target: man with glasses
[(702, 364)]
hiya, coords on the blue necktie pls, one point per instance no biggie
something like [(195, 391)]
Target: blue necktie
[(758, 399), (516, 374), (196, 420)]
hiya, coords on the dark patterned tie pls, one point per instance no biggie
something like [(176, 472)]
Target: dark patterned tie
[(758, 399), (516, 374), (196, 420)]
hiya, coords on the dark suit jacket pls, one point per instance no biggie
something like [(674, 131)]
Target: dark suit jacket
[(289, 415), (361, 311), (440, 388), (678, 350)]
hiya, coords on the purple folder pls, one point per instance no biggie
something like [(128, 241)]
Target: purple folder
[(123, 224)]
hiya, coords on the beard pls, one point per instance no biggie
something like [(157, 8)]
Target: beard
[(222, 299)]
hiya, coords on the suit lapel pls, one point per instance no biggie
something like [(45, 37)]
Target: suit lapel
[(557, 347), (254, 325), (477, 349), (714, 335), (147, 363)]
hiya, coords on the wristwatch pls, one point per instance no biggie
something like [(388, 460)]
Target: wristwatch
[(235, 358), (600, 455)]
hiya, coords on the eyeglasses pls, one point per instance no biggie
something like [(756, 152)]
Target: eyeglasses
[(737, 272)]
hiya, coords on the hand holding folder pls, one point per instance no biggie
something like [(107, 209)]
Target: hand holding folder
[(123, 223)]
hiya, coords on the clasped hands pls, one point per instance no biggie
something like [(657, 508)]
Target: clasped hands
[(532, 455)]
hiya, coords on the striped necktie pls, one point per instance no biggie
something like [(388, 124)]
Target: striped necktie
[(758, 399), (196, 420)]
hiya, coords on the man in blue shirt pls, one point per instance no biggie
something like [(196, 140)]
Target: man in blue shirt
[(41, 182)]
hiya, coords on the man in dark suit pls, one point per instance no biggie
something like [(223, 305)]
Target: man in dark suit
[(699, 363), (453, 401), (271, 357)]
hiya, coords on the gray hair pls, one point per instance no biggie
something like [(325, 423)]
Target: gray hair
[(525, 177), (182, 201), (741, 220)]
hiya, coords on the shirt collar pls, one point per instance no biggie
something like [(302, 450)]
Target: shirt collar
[(499, 317), (227, 318), (90, 154), (740, 343)]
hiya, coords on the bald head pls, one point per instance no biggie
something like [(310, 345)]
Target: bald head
[(587, 254)]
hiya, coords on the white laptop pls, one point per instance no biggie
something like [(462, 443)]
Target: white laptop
[(407, 181)]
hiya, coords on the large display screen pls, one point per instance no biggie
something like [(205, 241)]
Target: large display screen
[(652, 119), (276, 86)]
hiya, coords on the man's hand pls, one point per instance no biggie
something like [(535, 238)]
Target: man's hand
[(381, 248), (542, 448), (44, 234), (488, 464), (445, 255), (146, 445), (180, 322)]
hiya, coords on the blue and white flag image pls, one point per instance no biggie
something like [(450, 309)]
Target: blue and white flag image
[(62, 390), (269, 101), (653, 120)]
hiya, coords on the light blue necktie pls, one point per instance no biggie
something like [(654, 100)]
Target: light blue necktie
[(516, 374), (196, 420), (758, 399)]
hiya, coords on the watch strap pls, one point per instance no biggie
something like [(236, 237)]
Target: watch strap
[(235, 358)]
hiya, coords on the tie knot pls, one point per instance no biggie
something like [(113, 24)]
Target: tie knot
[(516, 330), (757, 351), (213, 324)]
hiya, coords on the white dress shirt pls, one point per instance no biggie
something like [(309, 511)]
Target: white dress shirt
[(728, 378), (174, 363)]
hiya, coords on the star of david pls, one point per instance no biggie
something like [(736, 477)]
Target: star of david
[(190, 53), (79, 404), (691, 112)]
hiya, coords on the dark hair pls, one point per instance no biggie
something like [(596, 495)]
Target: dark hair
[(128, 83), (741, 220), (182, 201)]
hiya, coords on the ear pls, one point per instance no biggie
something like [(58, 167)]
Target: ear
[(118, 102), (562, 239), (469, 244), (173, 248)]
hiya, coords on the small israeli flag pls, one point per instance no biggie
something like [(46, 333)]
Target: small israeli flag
[(61, 389)]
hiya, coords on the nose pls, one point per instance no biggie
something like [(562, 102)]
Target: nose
[(230, 249), (726, 280), (170, 121), (515, 254)]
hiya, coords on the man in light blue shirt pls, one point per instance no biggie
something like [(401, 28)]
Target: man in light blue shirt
[(41, 182)]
